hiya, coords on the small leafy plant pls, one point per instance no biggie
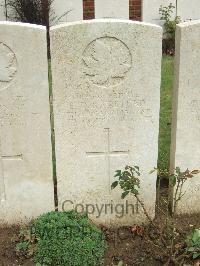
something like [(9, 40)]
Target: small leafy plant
[(64, 238), (177, 180), (27, 242), (193, 244), (129, 182), (166, 13), (167, 235)]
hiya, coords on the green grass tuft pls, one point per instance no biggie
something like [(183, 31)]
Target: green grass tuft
[(165, 113)]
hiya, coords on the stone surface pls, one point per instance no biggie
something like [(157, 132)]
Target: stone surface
[(26, 186), (186, 9), (185, 150), (112, 9), (106, 83), (150, 10), (2, 15), (68, 10)]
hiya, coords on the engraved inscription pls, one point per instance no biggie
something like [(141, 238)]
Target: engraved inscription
[(106, 61), (196, 108), (116, 107), (8, 66), (11, 110)]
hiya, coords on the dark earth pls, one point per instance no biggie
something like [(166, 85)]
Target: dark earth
[(133, 245)]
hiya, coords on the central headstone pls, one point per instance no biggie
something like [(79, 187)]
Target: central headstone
[(106, 83)]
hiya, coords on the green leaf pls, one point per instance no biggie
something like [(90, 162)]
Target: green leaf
[(124, 194), (152, 171), (137, 167), (120, 263), (118, 173), (134, 191), (137, 172), (178, 170), (191, 249), (114, 185), (196, 255), (38, 264), (172, 180), (196, 236), (22, 246)]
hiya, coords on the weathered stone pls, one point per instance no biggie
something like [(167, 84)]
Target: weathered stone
[(185, 149), (2, 10), (26, 186), (112, 9), (106, 84), (68, 10)]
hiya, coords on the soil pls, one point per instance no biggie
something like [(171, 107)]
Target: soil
[(8, 257), (135, 245), (139, 248)]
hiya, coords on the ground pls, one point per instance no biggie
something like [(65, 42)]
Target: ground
[(125, 245)]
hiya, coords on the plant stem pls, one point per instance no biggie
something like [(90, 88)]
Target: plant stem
[(144, 209)]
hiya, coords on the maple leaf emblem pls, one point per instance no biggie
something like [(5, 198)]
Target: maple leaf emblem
[(7, 63), (107, 61)]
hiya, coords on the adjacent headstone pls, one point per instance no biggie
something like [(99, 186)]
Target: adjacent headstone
[(26, 186), (150, 10), (67, 10), (2, 10), (112, 9), (106, 84), (185, 149), (188, 9)]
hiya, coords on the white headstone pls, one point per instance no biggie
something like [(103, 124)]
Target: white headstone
[(26, 186), (106, 84), (185, 149), (150, 10), (2, 10), (68, 10), (118, 9), (188, 9)]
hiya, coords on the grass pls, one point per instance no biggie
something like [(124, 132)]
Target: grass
[(165, 113)]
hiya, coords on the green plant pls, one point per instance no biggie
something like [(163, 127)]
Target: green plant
[(68, 238), (27, 242), (129, 182), (166, 13), (165, 114), (177, 181), (193, 244), (22, 246)]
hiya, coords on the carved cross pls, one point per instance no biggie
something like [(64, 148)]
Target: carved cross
[(9, 157), (108, 153)]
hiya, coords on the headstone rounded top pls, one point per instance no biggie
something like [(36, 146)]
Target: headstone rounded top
[(107, 20), (22, 25), (188, 24)]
